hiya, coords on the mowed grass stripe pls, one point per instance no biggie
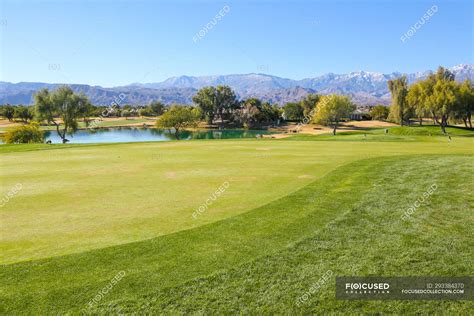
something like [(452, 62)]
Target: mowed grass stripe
[(369, 239), (63, 283)]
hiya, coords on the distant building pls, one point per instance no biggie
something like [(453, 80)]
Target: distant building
[(357, 115), (360, 113)]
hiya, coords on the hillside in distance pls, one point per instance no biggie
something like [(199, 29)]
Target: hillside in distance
[(365, 88)]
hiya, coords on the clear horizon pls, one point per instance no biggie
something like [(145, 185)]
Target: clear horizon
[(108, 44)]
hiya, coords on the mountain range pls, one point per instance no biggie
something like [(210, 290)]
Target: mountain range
[(365, 88)]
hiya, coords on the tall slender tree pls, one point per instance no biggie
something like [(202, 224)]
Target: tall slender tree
[(416, 100), (399, 90), (465, 104), (443, 101)]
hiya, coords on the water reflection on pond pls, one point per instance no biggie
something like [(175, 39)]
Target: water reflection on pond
[(138, 134)]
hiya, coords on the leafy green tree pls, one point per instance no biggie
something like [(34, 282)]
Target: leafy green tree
[(309, 103), (62, 108), (293, 111), (156, 108), (465, 104), (179, 117), (144, 112), (116, 111), (416, 100), (96, 111), (443, 101), (444, 74), (127, 108), (399, 90), (8, 112), (126, 113), (379, 112), (218, 101), (251, 109), (24, 134), (271, 112), (23, 113), (205, 99), (227, 103), (440, 97), (331, 109)]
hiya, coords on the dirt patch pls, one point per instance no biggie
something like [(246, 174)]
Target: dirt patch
[(171, 175), (276, 136), (306, 176), (368, 124), (314, 129), (293, 129), (7, 123)]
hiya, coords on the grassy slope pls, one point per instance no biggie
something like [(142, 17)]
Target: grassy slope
[(368, 239), (164, 184), (326, 225), (429, 130)]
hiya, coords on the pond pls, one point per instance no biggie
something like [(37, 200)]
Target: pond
[(139, 134)]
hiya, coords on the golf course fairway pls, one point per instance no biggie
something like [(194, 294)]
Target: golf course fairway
[(291, 210)]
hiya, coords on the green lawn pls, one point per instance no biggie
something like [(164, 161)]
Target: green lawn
[(121, 122), (292, 211), (426, 133)]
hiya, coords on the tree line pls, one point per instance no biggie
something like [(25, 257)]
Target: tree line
[(438, 97), (26, 114), (218, 106)]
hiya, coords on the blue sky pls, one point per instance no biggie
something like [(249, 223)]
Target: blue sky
[(112, 43)]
